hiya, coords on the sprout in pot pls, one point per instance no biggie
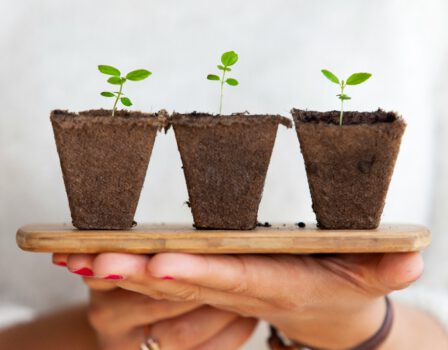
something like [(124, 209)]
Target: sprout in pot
[(104, 156), (225, 159), (227, 59), (117, 80), (354, 79), (349, 159)]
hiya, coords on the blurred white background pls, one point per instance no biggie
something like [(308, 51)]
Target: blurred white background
[(49, 51)]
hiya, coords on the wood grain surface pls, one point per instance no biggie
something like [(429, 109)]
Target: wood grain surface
[(278, 239)]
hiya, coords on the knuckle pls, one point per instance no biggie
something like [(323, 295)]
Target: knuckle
[(190, 293), (181, 294), (254, 309), (156, 295), (241, 286), (284, 303), (150, 292)]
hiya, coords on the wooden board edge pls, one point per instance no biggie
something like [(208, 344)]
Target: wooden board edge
[(28, 242)]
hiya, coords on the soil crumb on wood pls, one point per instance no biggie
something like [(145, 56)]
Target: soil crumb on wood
[(265, 224)]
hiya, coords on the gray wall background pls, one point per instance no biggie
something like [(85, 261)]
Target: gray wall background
[(49, 51)]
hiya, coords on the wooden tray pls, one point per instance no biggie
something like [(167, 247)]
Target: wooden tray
[(146, 239)]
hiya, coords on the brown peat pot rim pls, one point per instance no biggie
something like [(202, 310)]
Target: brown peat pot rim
[(198, 119), (350, 117), (104, 116)]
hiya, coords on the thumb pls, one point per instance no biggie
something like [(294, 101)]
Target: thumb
[(399, 270)]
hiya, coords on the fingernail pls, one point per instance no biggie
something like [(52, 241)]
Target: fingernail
[(60, 263), (85, 271), (167, 278), (114, 277)]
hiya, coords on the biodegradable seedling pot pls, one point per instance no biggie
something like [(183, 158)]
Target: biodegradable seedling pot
[(225, 160), (349, 167), (104, 161)]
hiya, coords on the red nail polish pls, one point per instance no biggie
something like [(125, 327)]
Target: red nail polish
[(85, 271), (60, 263), (114, 277), (167, 278)]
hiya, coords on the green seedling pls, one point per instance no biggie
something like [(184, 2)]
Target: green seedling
[(227, 59), (354, 79), (118, 80)]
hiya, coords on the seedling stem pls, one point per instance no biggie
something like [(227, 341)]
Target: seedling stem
[(116, 100), (341, 116), (222, 91)]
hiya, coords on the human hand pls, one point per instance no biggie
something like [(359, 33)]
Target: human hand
[(325, 301), (121, 318)]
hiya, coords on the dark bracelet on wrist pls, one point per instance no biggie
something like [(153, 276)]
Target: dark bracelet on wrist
[(277, 343)]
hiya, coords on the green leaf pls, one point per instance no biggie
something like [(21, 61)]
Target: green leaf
[(344, 97), (137, 75), (115, 80), (229, 58), (224, 68), (330, 76), (109, 70), (107, 94), (212, 77), (358, 78), (125, 101), (232, 82)]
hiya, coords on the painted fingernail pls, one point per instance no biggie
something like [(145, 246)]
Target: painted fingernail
[(60, 263), (168, 278), (85, 271), (114, 277)]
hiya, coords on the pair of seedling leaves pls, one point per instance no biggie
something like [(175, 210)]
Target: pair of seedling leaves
[(118, 80), (354, 79), (227, 59)]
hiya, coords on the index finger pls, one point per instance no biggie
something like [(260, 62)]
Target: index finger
[(259, 276), (277, 276)]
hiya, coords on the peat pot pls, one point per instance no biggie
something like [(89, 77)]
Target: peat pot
[(225, 160), (349, 167), (104, 161)]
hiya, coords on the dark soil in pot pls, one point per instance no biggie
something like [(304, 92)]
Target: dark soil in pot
[(225, 160), (349, 168), (104, 161)]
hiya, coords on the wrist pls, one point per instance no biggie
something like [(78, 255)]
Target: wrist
[(341, 329)]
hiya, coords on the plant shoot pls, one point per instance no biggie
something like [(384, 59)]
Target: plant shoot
[(227, 59), (117, 80), (354, 79)]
